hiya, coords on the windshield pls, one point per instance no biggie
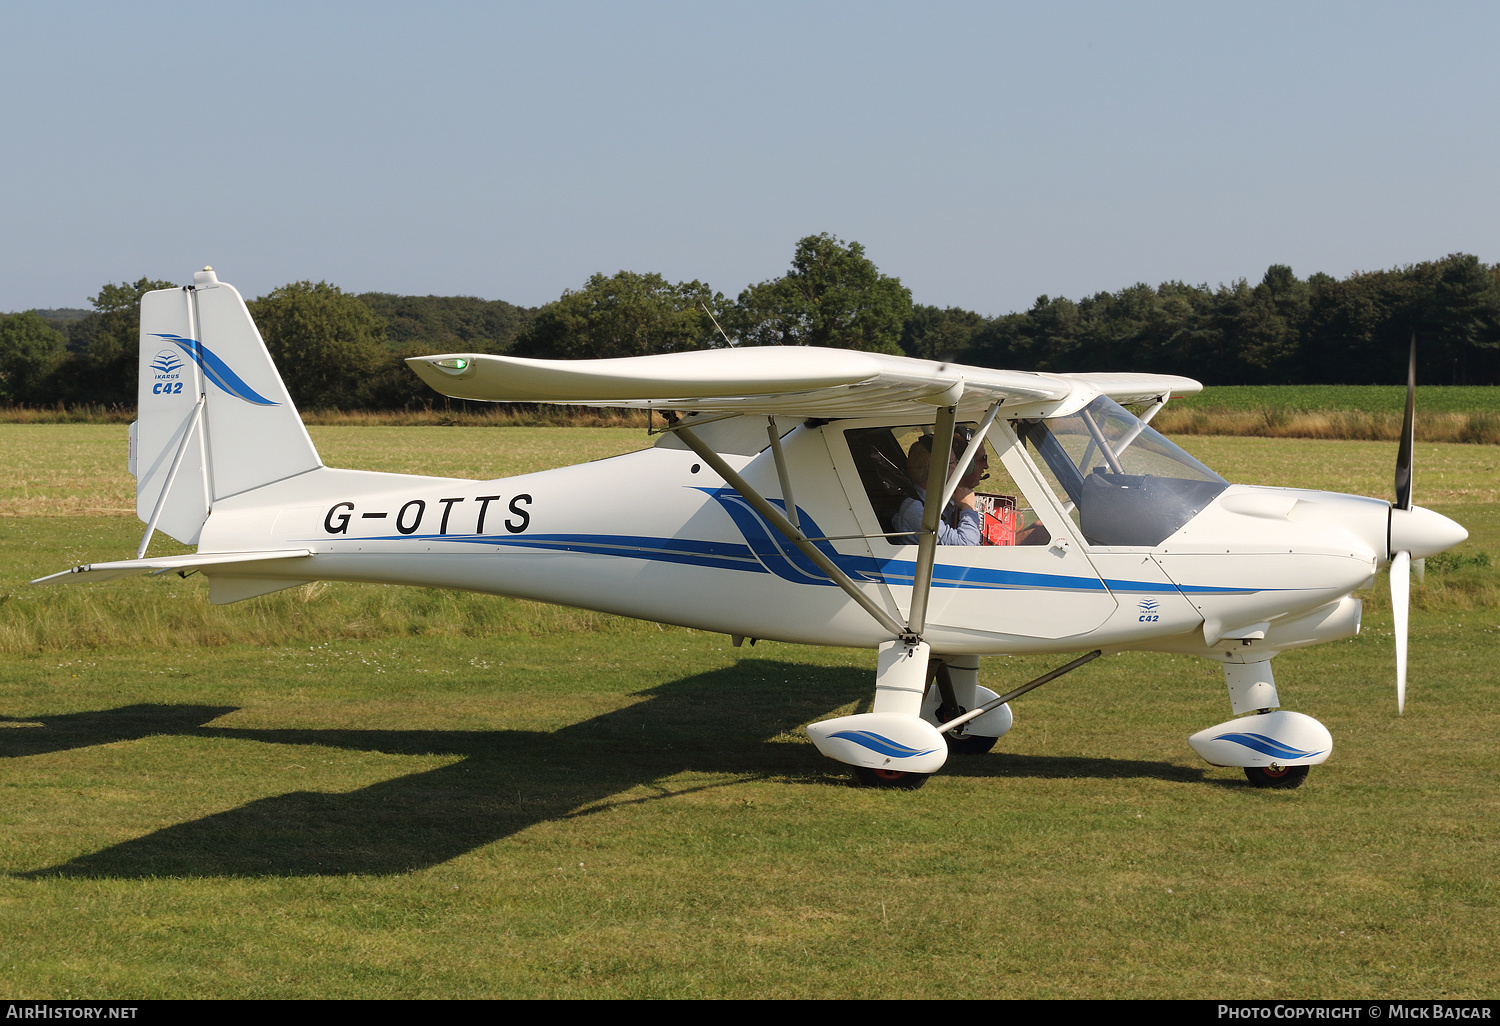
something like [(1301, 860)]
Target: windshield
[(1126, 483)]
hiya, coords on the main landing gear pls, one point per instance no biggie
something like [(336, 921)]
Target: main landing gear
[(952, 690), (913, 726), (889, 779), (969, 744), (1282, 777)]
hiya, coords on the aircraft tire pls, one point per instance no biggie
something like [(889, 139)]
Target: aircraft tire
[(969, 744), (889, 779), (1284, 779)]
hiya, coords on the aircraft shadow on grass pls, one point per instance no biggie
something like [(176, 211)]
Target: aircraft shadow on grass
[(506, 781), (85, 729)]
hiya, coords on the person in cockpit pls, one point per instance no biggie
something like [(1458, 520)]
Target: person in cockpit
[(960, 523)]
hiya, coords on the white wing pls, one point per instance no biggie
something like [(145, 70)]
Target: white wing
[(771, 380), (1139, 388)]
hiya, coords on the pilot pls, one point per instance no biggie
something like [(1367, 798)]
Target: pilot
[(960, 523)]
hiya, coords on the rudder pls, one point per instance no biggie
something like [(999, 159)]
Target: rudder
[(211, 404)]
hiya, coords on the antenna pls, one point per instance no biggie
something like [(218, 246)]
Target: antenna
[(716, 322)]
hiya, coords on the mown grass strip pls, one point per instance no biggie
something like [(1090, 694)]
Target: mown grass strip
[(639, 816), (366, 792)]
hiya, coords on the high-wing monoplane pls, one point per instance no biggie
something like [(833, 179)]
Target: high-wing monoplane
[(800, 495)]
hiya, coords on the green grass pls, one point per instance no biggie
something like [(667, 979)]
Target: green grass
[(1322, 398), (351, 791), (639, 816), (80, 469)]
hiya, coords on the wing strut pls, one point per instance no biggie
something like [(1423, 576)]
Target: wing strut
[(970, 451), (166, 489), (939, 484), (932, 511), (939, 493), (790, 530), (781, 473), (1151, 411)]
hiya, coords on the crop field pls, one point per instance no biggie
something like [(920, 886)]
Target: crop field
[(369, 792), (1465, 414)]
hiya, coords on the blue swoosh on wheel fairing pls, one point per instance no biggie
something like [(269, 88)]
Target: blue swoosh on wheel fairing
[(879, 743), (1265, 745), (217, 371)]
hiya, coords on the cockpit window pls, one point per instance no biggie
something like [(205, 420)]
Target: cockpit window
[(1128, 484), (883, 458)]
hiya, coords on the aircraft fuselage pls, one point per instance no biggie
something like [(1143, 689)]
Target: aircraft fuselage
[(656, 534)]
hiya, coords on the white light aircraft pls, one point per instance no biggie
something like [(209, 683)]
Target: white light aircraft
[(790, 497)]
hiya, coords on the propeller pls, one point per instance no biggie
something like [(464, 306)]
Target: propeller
[(1401, 561)]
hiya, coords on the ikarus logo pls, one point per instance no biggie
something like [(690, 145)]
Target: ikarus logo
[(167, 366), (1148, 608)]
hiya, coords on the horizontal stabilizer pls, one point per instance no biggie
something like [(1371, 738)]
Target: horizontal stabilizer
[(166, 564)]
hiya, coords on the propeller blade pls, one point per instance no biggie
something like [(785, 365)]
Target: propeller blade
[(1408, 432), (1400, 608)]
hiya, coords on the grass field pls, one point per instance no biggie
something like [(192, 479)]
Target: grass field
[(1320, 398), (354, 791)]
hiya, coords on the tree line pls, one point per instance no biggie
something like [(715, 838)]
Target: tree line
[(1284, 330), (335, 350), (340, 350)]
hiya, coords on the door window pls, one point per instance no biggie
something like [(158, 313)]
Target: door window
[(892, 464)]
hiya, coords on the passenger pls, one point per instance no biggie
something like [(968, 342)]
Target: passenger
[(960, 523)]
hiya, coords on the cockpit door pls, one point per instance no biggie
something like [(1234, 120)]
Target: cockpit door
[(1044, 587)]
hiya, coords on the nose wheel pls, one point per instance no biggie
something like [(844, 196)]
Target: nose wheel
[(1282, 777)]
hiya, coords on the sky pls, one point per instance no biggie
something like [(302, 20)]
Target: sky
[(984, 153)]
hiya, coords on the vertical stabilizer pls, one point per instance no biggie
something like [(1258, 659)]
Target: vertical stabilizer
[(214, 417)]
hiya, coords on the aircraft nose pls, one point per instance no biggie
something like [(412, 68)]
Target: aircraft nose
[(1423, 532)]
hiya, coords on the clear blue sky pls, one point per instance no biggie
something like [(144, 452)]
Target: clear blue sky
[(984, 153)]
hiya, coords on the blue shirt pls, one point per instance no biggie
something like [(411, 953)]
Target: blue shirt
[(909, 518)]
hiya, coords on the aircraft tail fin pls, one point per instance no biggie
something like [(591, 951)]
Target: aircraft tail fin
[(214, 417)]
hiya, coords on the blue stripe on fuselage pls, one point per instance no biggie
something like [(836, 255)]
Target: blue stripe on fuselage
[(769, 551), (732, 556)]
